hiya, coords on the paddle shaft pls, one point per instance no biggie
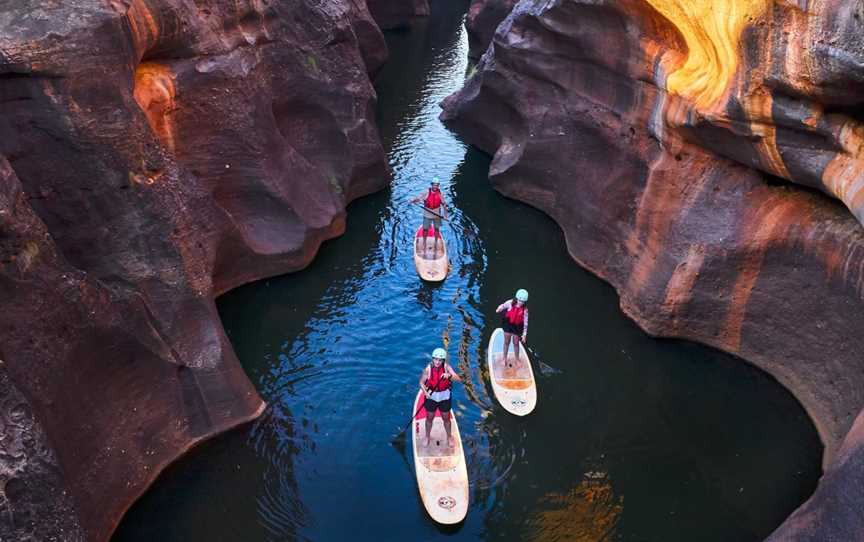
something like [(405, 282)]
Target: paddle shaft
[(412, 418), (466, 231), (423, 404), (431, 211)]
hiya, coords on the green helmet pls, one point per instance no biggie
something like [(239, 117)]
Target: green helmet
[(439, 353), (522, 295), (436, 180)]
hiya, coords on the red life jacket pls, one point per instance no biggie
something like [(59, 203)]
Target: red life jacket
[(433, 199), (437, 382), (516, 314)]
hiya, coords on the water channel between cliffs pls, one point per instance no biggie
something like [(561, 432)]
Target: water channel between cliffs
[(633, 439)]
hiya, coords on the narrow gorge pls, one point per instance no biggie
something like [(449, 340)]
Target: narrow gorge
[(706, 159)]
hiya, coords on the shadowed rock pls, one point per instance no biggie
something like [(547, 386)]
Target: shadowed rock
[(160, 152), (651, 163), (391, 14), (834, 512), (483, 18)]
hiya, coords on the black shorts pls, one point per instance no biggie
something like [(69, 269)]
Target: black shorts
[(512, 328), (431, 406)]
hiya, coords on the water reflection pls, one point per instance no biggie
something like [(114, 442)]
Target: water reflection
[(587, 513)]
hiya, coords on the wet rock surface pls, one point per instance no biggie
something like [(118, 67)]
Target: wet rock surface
[(158, 153), (692, 183)]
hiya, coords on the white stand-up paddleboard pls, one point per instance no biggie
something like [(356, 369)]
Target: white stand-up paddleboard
[(432, 264), (442, 477), (513, 383)]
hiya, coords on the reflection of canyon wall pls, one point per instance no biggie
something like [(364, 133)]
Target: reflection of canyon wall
[(157, 153), (645, 128)]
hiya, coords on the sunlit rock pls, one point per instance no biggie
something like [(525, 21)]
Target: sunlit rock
[(675, 143)]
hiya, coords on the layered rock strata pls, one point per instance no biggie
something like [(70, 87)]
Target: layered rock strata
[(390, 14), (157, 153), (646, 130)]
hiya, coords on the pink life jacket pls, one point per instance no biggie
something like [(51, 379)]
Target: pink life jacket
[(433, 199), (436, 380), (516, 314)]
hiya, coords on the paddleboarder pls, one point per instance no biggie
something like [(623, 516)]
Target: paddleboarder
[(436, 382), (514, 320), (434, 209)]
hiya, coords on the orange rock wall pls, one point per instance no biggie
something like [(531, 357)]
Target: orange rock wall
[(703, 157), (154, 154)]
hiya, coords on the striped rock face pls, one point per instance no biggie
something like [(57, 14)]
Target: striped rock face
[(678, 144), (154, 154)]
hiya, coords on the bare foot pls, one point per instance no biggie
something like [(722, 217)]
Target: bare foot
[(451, 443)]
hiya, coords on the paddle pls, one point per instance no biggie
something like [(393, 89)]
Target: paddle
[(545, 368), (400, 433), (466, 231), (430, 210)]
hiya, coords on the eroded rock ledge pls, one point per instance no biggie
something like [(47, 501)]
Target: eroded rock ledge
[(156, 153), (660, 135)]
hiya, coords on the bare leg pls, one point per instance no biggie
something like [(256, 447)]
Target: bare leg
[(446, 420), (507, 337), (516, 351), (429, 420)]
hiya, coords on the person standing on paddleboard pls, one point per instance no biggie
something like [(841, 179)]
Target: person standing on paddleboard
[(434, 209), (515, 323), (436, 381)]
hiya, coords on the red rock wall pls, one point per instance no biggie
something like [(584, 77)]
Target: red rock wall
[(834, 511), (391, 14), (483, 18), (160, 152), (662, 192)]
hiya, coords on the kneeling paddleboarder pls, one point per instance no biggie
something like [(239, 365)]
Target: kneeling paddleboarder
[(435, 381)]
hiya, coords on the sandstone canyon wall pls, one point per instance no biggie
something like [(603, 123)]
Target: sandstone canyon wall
[(483, 18), (154, 154), (391, 14), (703, 157)]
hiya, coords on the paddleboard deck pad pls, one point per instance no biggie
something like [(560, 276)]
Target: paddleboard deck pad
[(512, 381), (432, 263), (442, 476)]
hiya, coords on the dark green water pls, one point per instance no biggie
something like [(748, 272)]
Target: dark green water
[(633, 439)]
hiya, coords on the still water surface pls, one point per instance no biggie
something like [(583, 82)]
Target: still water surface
[(633, 439)]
